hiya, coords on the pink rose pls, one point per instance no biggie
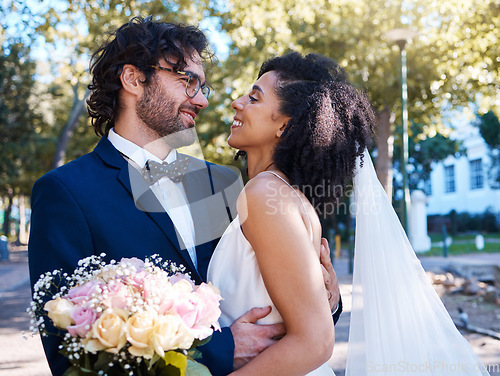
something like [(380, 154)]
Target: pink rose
[(136, 280), (199, 310), (83, 318), (155, 285), (187, 308), (159, 292), (83, 293), (118, 295), (181, 277), (209, 304), (134, 262)]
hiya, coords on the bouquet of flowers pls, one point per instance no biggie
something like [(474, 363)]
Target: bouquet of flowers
[(130, 317)]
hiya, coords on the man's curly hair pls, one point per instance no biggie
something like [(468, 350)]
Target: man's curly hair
[(141, 42), (331, 123)]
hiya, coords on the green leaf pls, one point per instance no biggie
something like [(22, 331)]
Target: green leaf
[(72, 371), (195, 354), (177, 360), (78, 371), (202, 342), (103, 359), (196, 369)]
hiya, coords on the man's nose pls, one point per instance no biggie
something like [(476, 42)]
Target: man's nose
[(199, 100)]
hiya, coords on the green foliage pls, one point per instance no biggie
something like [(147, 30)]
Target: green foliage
[(453, 61), (489, 127), (448, 63), (424, 151), (463, 248), (465, 222), (21, 141), (174, 363)]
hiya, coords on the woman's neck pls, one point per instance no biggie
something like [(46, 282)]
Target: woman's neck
[(258, 163)]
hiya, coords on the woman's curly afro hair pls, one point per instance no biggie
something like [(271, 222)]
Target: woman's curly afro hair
[(331, 123)]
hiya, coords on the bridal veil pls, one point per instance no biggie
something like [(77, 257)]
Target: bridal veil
[(399, 326)]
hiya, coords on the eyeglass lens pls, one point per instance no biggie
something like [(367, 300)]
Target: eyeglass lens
[(194, 85)]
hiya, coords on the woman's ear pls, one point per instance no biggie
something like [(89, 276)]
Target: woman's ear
[(131, 79), (282, 129)]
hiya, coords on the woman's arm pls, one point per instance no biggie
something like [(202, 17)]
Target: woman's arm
[(273, 224)]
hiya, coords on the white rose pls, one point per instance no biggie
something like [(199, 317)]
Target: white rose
[(170, 333), (109, 329), (92, 345), (59, 311), (138, 330), (183, 286)]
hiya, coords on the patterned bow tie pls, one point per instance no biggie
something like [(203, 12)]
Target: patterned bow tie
[(175, 171)]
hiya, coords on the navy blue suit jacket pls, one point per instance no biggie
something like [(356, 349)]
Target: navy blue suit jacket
[(86, 207)]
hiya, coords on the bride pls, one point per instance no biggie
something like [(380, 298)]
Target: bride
[(305, 130), (302, 127)]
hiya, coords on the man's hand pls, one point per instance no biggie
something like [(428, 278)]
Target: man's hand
[(329, 276), (251, 339)]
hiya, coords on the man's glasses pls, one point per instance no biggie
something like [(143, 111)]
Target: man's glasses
[(193, 82)]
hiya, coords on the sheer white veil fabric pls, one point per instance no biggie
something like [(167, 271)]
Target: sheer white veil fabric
[(399, 326)]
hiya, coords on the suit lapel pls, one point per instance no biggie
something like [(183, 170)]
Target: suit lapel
[(198, 190), (208, 211)]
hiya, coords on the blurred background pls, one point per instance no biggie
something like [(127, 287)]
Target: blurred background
[(437, 108), (431, 69)]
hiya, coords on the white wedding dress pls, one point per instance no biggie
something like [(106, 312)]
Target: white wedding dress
[(233, 269)]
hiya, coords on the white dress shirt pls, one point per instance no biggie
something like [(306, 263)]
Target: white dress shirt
[(171, 195)]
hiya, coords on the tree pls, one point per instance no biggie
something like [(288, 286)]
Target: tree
[(426, 151), (489, 127), (81, 26), (452, 61), (20, 125)]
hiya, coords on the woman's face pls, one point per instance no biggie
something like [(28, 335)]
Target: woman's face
[(257, 122)]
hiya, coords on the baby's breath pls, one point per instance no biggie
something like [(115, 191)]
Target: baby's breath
[(106, 276)]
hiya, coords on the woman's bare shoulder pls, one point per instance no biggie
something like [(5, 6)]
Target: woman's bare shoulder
[(267, 194)]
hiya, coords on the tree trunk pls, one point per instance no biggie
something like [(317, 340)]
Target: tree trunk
[(62, 143), (385, 147), (8, 210), (23, 235)]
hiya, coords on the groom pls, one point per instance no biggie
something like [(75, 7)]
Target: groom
[(148, 85)]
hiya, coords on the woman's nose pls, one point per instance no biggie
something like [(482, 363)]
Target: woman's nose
[(237, 105)]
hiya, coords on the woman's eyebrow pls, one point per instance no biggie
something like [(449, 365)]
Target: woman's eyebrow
[(258, 88)]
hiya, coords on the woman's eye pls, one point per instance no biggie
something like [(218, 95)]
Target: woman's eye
[(252, 99)]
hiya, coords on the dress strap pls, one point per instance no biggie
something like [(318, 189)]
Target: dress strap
[(300, 198)]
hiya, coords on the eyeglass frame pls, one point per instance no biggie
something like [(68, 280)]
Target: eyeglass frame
[(191, 76)]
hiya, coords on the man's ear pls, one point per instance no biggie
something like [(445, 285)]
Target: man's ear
[(131, 79)]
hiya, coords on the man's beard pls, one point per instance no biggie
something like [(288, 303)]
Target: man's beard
[(157, 110)]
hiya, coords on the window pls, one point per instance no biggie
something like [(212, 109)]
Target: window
[(449, 179), (476, 174)]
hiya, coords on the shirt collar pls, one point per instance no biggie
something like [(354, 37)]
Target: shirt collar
[(134, 152)]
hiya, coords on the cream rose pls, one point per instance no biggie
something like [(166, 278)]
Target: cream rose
[(92, 345), (59, 311), (170, 333), (107, 273), (183, 286), (138, 330), (109, 329)]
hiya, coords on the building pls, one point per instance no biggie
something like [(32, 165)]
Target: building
[(462, 183)]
